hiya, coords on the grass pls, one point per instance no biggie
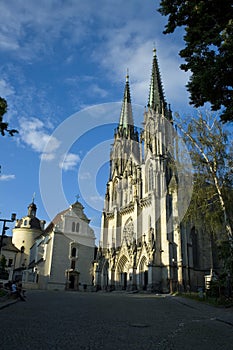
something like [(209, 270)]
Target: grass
[(204, 297)]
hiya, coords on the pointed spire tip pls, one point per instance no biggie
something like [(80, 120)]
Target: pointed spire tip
[(127, 75)]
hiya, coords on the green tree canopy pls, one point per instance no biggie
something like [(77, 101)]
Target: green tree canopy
[(208, 51), (3, 125)]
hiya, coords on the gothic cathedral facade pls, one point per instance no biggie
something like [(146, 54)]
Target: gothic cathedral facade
[(143, 246)]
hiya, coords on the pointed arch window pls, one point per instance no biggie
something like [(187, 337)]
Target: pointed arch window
[(114, 195)]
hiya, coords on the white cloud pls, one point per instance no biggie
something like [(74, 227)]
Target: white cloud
[(5, 88), (40, 23), (118, 42), (33, 133), (97, 199), (98, 91), (5, 177), (69, 161), (85, 176)]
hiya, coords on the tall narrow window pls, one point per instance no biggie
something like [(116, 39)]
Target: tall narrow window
[(77, 227), (73, 253), (114, 197), (149, 222), (151, 178), (73, 226), (10, 262)]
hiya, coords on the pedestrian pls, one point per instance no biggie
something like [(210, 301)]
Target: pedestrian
[(16, 291), (20, 289)]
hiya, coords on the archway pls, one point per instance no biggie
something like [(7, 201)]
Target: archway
[(143, 273), (122, 271)]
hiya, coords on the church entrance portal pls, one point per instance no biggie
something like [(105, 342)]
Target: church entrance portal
[(124, 280), (122, 271), (145, 280), (72, 280)]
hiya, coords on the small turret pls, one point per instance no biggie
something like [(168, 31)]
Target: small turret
[(32, 210)]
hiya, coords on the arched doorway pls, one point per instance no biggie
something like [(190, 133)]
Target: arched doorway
[(124, 280), (72, 281), (143, 274), (122, 271)]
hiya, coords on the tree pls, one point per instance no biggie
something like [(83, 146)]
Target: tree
[(208, 52), (4, 125), (211, 151), (3, 263)]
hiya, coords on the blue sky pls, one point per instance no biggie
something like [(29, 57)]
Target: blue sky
[(63, 67)]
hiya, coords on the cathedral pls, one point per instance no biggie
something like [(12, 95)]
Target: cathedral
[(143, 244)]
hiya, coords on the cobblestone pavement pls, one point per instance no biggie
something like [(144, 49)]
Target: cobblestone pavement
[(91, 321)]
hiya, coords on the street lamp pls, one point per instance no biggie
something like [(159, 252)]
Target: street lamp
[(4, 228)]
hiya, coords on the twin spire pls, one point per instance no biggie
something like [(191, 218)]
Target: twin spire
[(126, 117), (156, 97)]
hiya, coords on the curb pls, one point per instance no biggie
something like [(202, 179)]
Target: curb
[(7, 303)]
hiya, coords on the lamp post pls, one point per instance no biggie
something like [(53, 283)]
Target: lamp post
[(4, 228)]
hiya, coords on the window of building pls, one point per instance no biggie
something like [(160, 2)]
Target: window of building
[(128, 231), (25, 222), (73, 252), (10, 262), (73, 226), (77, 227), (22, 249), (149, 222), (151, 178)]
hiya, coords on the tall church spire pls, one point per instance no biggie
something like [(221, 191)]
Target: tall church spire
[(126, 117), (156, 95)]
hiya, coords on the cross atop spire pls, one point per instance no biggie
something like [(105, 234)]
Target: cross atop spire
[(156, 95)]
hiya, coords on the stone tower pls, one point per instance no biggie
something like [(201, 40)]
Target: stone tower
[(25, 232)]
